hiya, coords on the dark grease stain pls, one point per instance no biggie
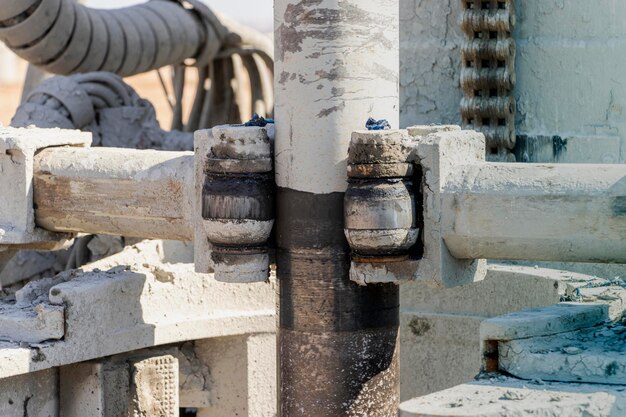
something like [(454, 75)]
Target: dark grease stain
[(559, 147), (338, 340), (39, 356), (306, 19), (611, 369), (619, 206), (330, 110), (284, 76), (316, 293), (26, 401), (540, 148), (419, 327), (238, 196)]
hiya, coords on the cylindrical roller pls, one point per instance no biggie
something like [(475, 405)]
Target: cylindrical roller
[(238, 202), (380, 206), (487, 79), (486, 107), (473, 20), (488, 49), (380, 216)]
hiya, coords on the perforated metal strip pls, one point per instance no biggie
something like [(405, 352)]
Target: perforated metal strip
[(488, 74)]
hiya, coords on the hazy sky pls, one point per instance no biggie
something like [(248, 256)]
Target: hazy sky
[(256, 13)]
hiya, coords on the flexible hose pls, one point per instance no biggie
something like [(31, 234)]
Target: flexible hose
[(64, 37)]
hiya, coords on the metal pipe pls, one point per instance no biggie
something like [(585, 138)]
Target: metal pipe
[(336, 64), (560, 212), (139, 193)]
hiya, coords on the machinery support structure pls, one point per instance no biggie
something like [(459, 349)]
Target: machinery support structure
[(336, 64)]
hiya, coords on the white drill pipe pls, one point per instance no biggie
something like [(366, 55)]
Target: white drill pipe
[(139, 193), (560, 212), (336, 64)]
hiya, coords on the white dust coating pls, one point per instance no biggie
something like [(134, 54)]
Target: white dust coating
[(560, 212), (239, 142), (240, 231), (508, 397), (337, 63), (128, 192), (592, 355), (562, 89), (17, 158), (141, 302), (543, 321), (430, 67)]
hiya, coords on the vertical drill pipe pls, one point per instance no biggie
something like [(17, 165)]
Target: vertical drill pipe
[(336, 64)]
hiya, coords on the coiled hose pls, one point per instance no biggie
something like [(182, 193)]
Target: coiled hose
[(102, 103), (64, 37)]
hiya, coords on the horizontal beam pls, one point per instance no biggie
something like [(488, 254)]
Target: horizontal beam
[(137, 193), (560, 212)]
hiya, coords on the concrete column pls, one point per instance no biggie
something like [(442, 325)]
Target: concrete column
[(336, 64)]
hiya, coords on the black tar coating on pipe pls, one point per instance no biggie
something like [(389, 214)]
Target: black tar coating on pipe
[(335, 336)]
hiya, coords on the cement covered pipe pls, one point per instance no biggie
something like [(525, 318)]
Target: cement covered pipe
[(336, 64), (559, 212), (137, 193), (64, 37)]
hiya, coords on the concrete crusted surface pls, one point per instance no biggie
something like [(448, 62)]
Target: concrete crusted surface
[(430, 68), (550, 36), (438, 154), (138, 301), (33, 395), (509, 397), (593, 355), (440, 327), (17, 154), (543, 321)]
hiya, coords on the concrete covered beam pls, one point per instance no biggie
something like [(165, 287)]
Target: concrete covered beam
[(140, 193), (18, 148), (558, 212)]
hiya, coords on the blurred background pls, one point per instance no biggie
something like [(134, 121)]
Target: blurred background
[(255, 13)]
